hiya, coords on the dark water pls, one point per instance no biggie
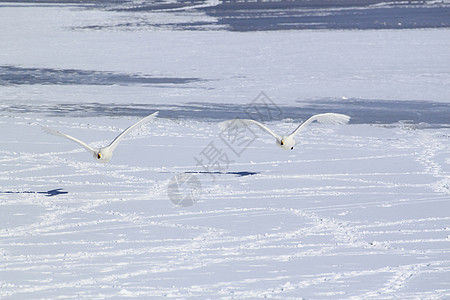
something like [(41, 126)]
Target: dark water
[(357, 18), (258, 15), (13, 75), (362, 111)]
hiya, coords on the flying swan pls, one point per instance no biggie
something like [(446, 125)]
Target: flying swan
[(104, 154), (287, 141)]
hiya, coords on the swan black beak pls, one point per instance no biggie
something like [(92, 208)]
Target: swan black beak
[(99, 155), (282, 143)]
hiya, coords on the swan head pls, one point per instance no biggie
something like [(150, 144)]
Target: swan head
[(103, 155), (286, 143)]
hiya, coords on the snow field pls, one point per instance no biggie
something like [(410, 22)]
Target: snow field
[(353, 211)]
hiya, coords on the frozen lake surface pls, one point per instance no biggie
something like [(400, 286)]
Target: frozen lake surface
[(357, 211)]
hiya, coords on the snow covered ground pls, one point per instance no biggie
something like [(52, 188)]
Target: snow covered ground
[(354, 211)]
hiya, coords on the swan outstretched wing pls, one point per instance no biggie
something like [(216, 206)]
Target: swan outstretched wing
[(327, 118), (246, 122), (81, 143), (116, 141)]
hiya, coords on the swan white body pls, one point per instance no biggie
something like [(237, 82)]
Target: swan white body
[(287, 142), (104, 154)]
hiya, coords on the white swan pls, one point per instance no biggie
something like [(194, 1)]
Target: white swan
[(287, 141), (104, 154)]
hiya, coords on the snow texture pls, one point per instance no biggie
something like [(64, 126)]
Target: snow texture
[(356, 211)]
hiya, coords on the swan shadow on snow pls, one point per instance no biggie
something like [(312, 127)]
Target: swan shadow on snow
[(49, 193), (239, 174)]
